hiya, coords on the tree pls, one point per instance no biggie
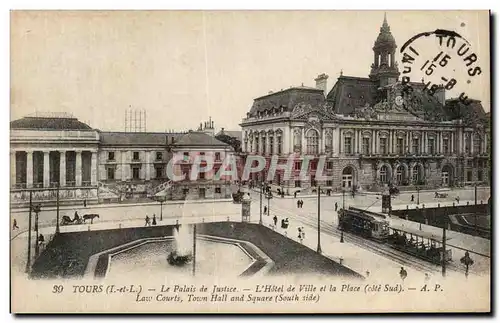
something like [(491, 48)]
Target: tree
[(232, 141)]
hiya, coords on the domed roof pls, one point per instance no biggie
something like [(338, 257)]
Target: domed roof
[(385, 36)]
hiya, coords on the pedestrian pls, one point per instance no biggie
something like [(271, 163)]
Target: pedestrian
[(458, 200), (265, 209), (14, 225), (275, 220), (301, 203), (41, 239), (147, 221), (427, 277), (367, 273), (298, 204), (154, 219), (336, 206), (295, 194), (303, 233), (412, 198), (300, 234), (84, 203)]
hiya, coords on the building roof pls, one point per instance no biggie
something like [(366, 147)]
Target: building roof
[(231, 133), (350, 93), (288, 99), (138, 138), (195, 138), (49, 123), (471, 113)]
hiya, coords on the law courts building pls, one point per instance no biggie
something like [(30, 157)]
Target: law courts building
[(51, 152), (367, 135)]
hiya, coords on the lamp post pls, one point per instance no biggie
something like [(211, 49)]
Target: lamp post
[(475, 193), (343, 198), (37, 208), (269, 196), (319, 221), (28, 261), (418, 195), (161, 199), (260, 192), (194, 249)]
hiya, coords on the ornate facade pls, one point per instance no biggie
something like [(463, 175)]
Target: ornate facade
[(54, 152), (371, 134)]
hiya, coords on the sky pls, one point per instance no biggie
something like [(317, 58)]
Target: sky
[(182, 67)]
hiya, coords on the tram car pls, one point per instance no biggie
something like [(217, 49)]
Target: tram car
[(420, 244), (364, 223)]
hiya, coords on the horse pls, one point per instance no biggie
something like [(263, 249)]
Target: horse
[(66, 220), (90, 217)]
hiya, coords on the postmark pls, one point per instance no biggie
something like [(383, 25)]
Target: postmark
[(440, 59)]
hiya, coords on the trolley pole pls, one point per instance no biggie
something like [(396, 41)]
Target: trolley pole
[(475, 194), (319, 221), (443, 257), (28, 261), (57, 211)]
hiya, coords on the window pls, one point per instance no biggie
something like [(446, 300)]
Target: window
[(280, 145), (158, 172), (264, 145), (366, 146), (257, 150), (383, 174), (400, 147), (111, 155), (201, 193), (415, 147), (431, 147), (446, 146), (218, 190), (136, 155), (329, 183), (159, 156), (111, 173), (383, 146), (329, 165), (297, 183), (297, 165), (469, 176), (348, 145), (312, 140), (477, 144), (136, 173), (217, 156), (399, 174), (480, 175), (202, 175), (271, 145)]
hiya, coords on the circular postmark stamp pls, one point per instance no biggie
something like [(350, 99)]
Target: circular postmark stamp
[(439, 60)]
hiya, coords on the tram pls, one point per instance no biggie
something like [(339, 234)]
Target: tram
[(420, 244), (364, 223)]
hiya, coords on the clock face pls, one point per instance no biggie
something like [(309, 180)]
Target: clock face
[(399, 101)]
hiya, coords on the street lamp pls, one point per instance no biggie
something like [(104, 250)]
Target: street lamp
[(37, 208), (57, 210), (260, 190), (418, 195)]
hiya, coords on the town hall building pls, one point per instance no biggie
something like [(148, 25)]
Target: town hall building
[(367, 132)]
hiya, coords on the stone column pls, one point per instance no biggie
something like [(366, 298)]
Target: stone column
[(46, 169), (391, 141), (471, 143), (93, 169), (62, 168), (148, 165), (12, 169), (29, 169), (78, 168), (341, 146)]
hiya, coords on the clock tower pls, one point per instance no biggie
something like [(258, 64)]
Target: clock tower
[(384, 69)]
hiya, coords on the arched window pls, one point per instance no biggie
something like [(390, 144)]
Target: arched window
[(383, 174), (416, 174), (477, 144), (312, 139), (297, 140)]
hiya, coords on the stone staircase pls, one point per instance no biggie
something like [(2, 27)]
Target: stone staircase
[(160, 189), (107, 191)]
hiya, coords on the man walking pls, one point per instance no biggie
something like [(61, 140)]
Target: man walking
[(275, 220), (336, 206), (148, 223), (14, 225)]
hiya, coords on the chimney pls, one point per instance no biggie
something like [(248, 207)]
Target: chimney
[(321, 83), (441, 95)]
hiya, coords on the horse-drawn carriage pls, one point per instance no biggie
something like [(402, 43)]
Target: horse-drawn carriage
[(438, 195), (66, 220)]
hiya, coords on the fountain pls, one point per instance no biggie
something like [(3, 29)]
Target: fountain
[(183, 248)]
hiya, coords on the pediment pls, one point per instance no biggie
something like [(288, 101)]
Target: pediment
[(312, 114)]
